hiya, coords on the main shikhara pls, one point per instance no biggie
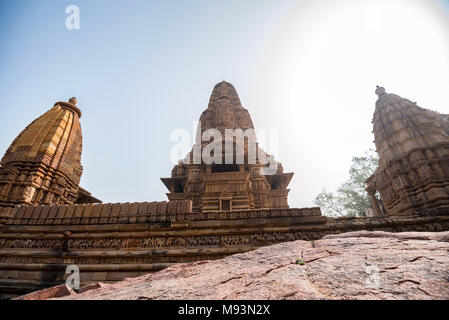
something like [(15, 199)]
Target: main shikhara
[(223, 186)]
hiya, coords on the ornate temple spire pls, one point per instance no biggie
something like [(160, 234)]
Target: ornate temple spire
[(413, 147), (400, 126), (224, 90), (380, 91), (220, 185), (43, 164), (225, 110)]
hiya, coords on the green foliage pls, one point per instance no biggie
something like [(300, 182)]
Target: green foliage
[(300, 262), (350, 199)]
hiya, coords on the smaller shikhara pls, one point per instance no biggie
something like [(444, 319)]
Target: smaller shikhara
[(413, 147), (43, 164)]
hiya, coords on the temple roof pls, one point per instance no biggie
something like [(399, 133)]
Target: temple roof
[(400, 126), (221, 90), (53, 139), (225, 110), (238, 174)]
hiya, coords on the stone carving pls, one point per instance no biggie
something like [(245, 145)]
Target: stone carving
[(140, 241), (413, 147), (43, 164), (227, 187), (355, 265), (137, 212)]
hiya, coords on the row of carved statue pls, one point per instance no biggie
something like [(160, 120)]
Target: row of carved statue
[(144, 212)]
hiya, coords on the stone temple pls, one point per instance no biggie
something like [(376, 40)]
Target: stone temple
[(48, 222), (217, 187), (413, 147)]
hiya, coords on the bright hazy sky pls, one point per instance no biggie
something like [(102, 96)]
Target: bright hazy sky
[(141, 69)]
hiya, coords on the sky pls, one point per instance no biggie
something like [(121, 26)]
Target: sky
[(141, 69)]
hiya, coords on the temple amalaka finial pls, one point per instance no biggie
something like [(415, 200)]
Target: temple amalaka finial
[(71, 105), (73, 101), (380, 91)]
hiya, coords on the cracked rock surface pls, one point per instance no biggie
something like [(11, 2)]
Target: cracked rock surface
[(354, 265)]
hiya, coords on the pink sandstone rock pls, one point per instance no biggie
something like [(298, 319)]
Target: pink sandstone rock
[(92, 286), (354, 265), (61, 290)]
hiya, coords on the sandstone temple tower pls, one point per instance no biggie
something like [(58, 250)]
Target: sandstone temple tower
[(413, 147), (43, 164), (221, 186)]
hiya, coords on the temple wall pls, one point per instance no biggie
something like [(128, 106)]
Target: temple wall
[(414, 182), (100, 213)]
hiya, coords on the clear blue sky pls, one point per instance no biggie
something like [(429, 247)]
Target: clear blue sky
[(143, 68)]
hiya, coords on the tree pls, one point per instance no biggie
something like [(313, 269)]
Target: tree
[(350, 199)]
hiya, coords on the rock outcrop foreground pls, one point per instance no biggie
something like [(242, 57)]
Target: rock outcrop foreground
[(353, 265)]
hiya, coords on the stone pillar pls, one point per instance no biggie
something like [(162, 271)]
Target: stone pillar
[(374, 203)]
